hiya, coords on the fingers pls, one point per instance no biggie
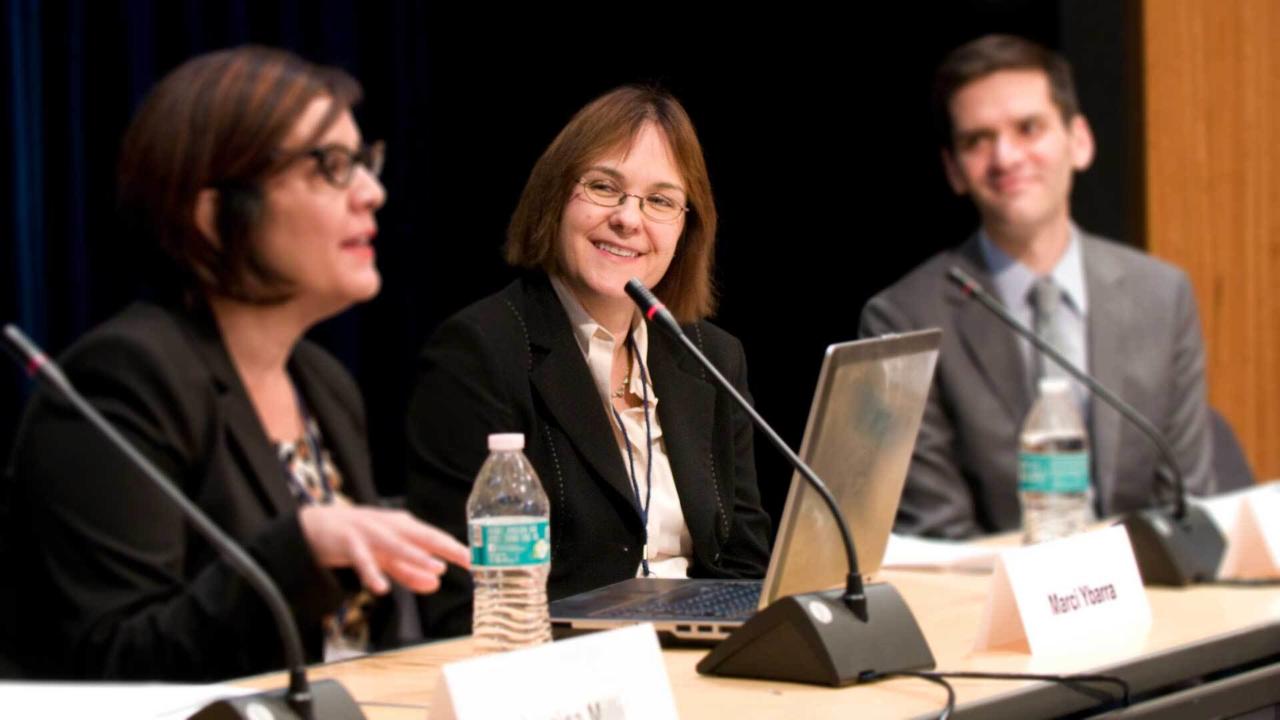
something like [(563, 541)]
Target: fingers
[(392, 546), (414, 577), (366, 565), (377, 543), (434, 540)]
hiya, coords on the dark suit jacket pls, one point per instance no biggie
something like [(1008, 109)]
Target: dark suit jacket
[(110, 580), (1143, 341), (510, 363)]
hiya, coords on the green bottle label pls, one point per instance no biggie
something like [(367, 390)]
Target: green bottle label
[(509, 542), (1053, 473)]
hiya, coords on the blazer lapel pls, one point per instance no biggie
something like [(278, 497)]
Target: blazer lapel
[(991, 345), (686, 409), (245, 436), (1109, 315), (562, 381)]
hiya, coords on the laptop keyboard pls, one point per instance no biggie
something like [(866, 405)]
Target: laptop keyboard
[(726, 601)]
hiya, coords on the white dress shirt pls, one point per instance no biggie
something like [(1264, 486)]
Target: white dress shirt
[(670, 545)]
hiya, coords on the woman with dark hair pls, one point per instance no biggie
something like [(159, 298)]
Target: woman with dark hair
[(247, 169), (647, 464)]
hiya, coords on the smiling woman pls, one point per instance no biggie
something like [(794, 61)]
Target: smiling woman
[(247, 169), (648, 466), (606, 240)]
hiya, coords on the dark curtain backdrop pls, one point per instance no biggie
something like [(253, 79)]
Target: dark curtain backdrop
[(815, 126)]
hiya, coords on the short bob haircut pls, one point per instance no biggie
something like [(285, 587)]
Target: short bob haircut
[(218, 121), (608, 122), (990, 54)]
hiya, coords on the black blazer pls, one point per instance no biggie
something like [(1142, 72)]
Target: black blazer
[(509, 363), (110, 580)]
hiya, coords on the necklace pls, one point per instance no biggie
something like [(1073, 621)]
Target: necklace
[(626, 379)]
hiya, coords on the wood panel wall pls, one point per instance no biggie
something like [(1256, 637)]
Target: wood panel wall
[(1211, 156)]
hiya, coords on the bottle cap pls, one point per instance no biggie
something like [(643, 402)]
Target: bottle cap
[(506, 441)]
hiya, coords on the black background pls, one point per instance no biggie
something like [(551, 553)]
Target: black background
[(815, 125)]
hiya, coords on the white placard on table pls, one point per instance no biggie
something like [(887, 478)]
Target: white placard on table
[(612, 675), (1077, 593), (109, 701), (1253, 536)]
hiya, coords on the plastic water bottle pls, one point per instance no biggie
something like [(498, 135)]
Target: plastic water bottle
[(1053, 466), (510, 540)]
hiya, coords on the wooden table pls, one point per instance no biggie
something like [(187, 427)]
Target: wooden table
[(1196, 632)]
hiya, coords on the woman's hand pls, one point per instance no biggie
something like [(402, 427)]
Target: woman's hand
[(379, 542)]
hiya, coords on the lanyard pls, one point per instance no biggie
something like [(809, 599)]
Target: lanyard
[(631, 461)]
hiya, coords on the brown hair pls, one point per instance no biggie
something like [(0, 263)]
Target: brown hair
[(607, 122), (989, 54), (218, 121)]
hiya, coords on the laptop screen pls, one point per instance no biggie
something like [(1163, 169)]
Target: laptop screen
[(861, 431)]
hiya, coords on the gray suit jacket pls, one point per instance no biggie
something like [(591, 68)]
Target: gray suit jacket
[(1144, 343)]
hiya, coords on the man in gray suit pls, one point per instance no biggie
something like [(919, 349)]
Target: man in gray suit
[(1012, 138)]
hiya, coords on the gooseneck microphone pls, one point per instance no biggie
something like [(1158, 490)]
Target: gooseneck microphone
[(974, 290), (1172, 548), (325, 699), (854, 595), (844, 644)]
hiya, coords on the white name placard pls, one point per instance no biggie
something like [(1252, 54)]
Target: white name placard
[(615, 675), (1253, 538), (1068, 595)]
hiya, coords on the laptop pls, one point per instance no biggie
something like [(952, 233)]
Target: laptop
[(862, 428)]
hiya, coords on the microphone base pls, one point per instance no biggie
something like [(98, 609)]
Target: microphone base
[(1175, 552), (329, 701), (814, 638)]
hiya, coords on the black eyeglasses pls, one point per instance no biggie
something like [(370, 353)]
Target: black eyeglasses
[(338, 163)]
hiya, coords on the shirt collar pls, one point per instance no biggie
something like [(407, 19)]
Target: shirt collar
[(585, 327), (1013, 280)]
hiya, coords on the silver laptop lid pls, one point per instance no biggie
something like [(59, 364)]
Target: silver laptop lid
[(862, 428)]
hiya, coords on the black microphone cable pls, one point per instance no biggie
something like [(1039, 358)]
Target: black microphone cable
[(1077, 682), (933, 677)]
